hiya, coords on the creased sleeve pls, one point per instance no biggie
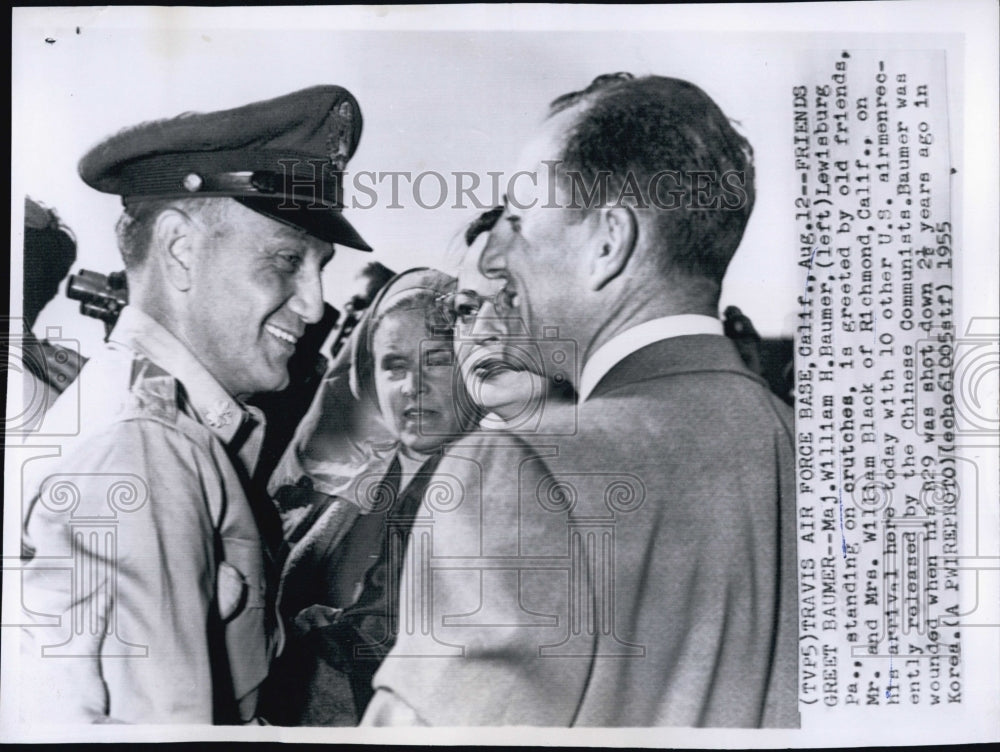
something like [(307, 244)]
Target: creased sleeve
[(485, 599), (123, 541)]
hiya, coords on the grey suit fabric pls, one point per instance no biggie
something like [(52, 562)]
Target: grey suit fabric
[(650, 562)]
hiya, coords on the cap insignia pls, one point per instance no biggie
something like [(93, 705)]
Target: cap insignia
[(193, 182)]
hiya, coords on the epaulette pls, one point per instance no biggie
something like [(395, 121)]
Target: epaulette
[(153, 391)]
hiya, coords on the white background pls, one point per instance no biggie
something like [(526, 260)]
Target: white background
[(431, 100)]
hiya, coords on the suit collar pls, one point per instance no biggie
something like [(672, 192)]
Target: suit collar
[(604, 358), (696, 353)]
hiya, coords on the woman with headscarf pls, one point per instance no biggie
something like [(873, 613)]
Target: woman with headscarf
[(348, 489)]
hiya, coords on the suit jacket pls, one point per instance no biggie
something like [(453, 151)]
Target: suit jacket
[(650, 562)]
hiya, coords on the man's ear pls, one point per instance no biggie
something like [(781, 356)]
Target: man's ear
[(617, 236), (173, 237)]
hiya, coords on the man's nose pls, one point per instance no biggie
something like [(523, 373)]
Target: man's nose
[(307, 301), (492, 261)]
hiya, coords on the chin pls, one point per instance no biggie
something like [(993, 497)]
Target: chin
[(512, 393), (423, 444), (276, 377), (266, 385)]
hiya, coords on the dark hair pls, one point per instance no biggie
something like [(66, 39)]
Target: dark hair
[(483, 223), (376, 276), (631, 130), (49, 253)]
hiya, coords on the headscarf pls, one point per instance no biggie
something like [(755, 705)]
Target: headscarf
[(406, 291), (342, 437)]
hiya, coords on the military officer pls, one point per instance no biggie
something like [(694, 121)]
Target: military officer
[(146, 573)]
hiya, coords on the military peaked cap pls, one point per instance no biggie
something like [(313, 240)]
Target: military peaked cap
[(283, 157)]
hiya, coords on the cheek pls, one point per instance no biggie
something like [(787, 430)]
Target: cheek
[(445, 388), (542, 235), (260, 292), (440, 381), (386, 402), (236, 307), (210, 326), (463, 336)]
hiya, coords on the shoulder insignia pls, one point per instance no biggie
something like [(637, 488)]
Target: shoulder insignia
[(153, 391)]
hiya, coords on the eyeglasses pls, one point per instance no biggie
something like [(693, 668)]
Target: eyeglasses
[(463, 306)]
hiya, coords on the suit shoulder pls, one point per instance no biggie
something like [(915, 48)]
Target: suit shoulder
[(503, 443), (492, 452), (702, 392)]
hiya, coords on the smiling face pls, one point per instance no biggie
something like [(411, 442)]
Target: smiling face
[(415, 381), (255, 284)]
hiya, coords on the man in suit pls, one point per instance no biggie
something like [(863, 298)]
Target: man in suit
[(146, 561), (648, 574)]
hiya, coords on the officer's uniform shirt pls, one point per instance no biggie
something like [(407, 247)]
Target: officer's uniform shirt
[(145, 571)]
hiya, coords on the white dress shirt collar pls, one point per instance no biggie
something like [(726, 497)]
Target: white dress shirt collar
[(623, 344)]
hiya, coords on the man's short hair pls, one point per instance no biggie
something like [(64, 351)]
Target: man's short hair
[(376, 277), (664, 146), (134, 229), (49, 254)]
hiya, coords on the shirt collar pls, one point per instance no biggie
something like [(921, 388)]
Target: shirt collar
[(623, 344), (214, 406)]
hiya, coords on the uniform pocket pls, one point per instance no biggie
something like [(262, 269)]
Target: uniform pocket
[(242, 572), (230, 591), (240, 577)]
